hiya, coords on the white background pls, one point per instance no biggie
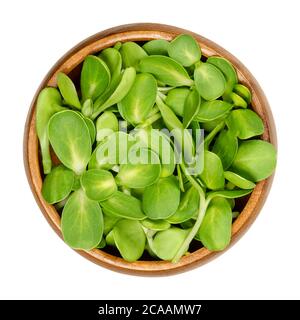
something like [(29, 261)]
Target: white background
[(35, 263)]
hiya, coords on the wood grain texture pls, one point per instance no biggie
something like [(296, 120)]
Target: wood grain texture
[(144, 32)]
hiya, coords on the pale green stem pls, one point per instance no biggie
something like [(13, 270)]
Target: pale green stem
[(46, 157), (208, 139), (153, 111), (165, 89), (162, 96), (203, 203), (149, 121)]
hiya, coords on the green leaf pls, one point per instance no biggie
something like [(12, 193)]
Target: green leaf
[(184, 144), (98, 184), (48, 103), (139, 101), (210, 125), (156, 225), (212, 110), (70, 139), (161, 144), (243, 92), (87, 108), (237, 100), (209, 81), (92, 129), (228, 194), (140, 172), (161, 199), (111, 151), (188, 207), (238, 180), (212, 174), (166, 70), (215, 230), (102, 244), (106, 124), (57, 184), (166, 243), (185, 49), (130, 239), (255, 160), (110, 241), (95, 77), (131, 54), (109, 222), (157, 47), (176, 100), (245, 123), (68, 90), (119, 93), (113, 60), (226, 146), (124, 206), (82, 222), (191, 107), (228, 71)]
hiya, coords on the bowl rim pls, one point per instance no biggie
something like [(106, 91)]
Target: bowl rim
[(144, 32)]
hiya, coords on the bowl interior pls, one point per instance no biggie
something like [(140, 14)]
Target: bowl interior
[(71, 64)]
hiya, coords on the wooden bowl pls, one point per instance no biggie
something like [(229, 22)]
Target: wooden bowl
[(70, 64)]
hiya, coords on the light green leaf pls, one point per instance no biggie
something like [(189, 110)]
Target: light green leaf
[(131, 54), (119, 93), (82, 222), (161, 199), (185, 49), (176, 100), (157, 47), (106, 124), (95, 77), (166, 70), (243, 92), (113, 150), (48, 103), (212, 110), (124, 206), (109, 222), (57, 184), (142, 172), (212, 174), (226, 146), (245, 123), (238, 180), (68, 90), (130, 239), (255, 160), (228, 194), (161, 144), (228, 71), (215, 230), (98, 184), (237, 100), (139, 101), (191, 107), (87, 108), (188, 207), (166, 243), (209, 81), (70, 139), (156, 225)]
